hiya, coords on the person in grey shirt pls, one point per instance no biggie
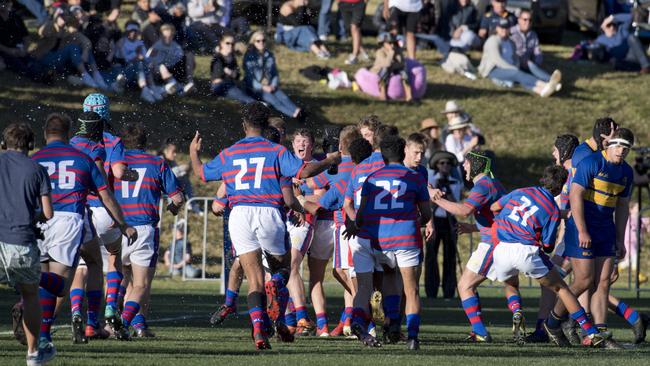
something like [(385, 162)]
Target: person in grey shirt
[(527, 46), (24, 191)]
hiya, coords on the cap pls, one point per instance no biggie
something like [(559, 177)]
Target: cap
[(503, 23)]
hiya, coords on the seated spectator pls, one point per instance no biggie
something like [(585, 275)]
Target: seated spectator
[(492, 18), (453, 110), (353, 12), (262, 79), (295, 31), (621, 46), (173, 12), (463, 25), (460, 140), (499, 63), (225, 71), (204, 30), (149, 20), (389, 61), (182, 255), (402, 17), (427, 26), (100, 7), (130, 53), (169, 63), (72, 36), (527, 46)]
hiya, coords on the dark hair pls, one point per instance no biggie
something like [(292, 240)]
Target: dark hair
[(392, 149), (18, 136), (566, 145), (272, 134), (347, 135), (131, 22), (624, 133), (167, 142), (382, 132), (553, 178), (360, 150), (417, 138), (603, 126), (304, 133), (134, 136), (371, 122), (57, 124), (256, 115), (91, 125)]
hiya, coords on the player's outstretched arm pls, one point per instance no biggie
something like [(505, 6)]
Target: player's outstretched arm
[(314, 168), (114, 210), (455, 208)]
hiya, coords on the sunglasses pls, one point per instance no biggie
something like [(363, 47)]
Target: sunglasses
[(444, 162)]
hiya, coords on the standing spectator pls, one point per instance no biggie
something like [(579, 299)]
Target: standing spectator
[(182, 255), (169, 63), (460, 140), (225, 71), (262, 79), (500, 64), (624, 48), (324, 21), (527, 46), (353, 12), (295, 31), (24, 186), (463, 26), (403, 16), (492, 18), (443, 164), (430, 129)]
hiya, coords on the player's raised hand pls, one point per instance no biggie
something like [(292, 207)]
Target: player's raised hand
[(298, 218), (606, 138), (584, 239), (195, 145), (130, 233)]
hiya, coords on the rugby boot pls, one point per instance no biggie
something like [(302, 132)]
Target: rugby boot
[(114, 321), (477, 338), (17, 323), (392, 333), (305, 327), (538, 336), (96, 332), (283, 332), (322, 332), (143, 333), (220, 315), (557, 336), (273, 309), (639, 328), (412, 344), (570, 329), (338, 331), (599, 340), (365, 338), (78, 331), (519, 328), (261, 340), (376, 307)]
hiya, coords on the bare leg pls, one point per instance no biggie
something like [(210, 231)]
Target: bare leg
[(31, 314)]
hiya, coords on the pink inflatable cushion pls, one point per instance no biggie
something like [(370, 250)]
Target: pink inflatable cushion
[(369, 82)]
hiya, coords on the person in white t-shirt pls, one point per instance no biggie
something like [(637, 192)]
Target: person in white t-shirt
[(402, 17)]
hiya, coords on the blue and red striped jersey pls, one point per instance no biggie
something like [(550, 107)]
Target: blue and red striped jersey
[(528, 216), (423, 171), (91, 148), (564, 195), (390, 215), (359, 175), (284, 182), (333, 199), (251, 170), (114, 151), (72, 175), (327, 180), (485, 192), (140, 200)]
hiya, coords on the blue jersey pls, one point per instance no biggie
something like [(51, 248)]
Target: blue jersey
[(423, 171), (359, 174), (390, 215), (114, 151), (251, 170), (326, 180), (528, 216), (564, 195), (582, 151), (333, 199), (72, 175), (91, 148), (140, 200), (485, 192)]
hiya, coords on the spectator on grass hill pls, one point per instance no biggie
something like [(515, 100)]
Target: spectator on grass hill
[(527, 46), (169, 63), (389, 61), (444, 164), (72, 36), (427, 27), (402, 17), (182, 256), (150, 22), (460, 140), (262, 79), (353, 12), (295, 31), (621, 46), (209, 20), (463, 25), (499, 63), (100, 7), (431, 130), (324, 22), (492, 18), (225, 73)]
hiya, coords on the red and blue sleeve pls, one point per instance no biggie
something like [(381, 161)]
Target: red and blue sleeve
[(213, 170), (96, 177), (322, 180), (117, 154), (478, 196), (168, 180), (549, 231)]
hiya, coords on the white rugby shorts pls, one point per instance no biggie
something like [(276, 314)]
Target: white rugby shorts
[(144, 251), (363, 256), (322, 245), (402, 258), (257, 227), (341, 258), (480, 262), (510, 259), (301, 237), (63, 236), (104, 226)]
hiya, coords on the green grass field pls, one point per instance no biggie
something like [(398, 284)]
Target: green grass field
[(192, 341)]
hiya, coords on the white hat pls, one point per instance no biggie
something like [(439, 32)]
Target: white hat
[(451, 106), (458, 122)]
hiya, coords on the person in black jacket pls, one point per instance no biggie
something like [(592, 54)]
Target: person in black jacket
[(225, 71), (463, 26)]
